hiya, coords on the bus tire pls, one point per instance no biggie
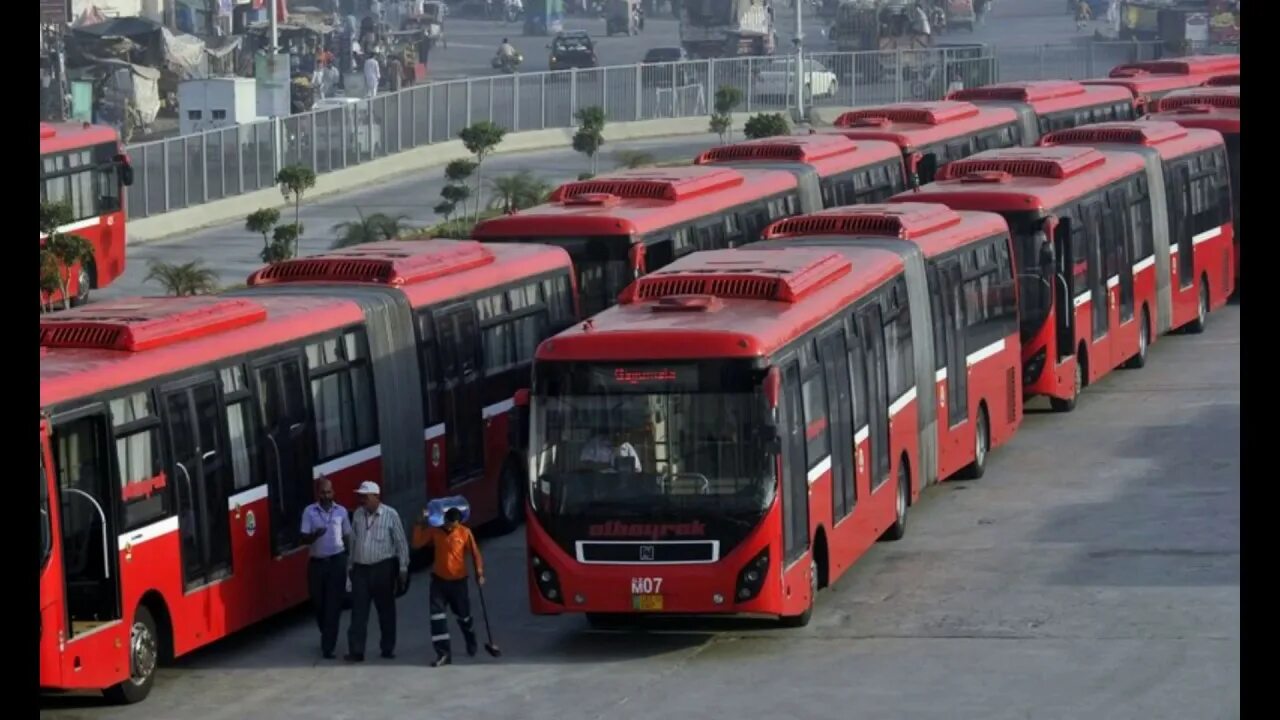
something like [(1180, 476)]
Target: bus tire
[(898, 529), (1139, 361), (1195, 327), (798, 621), (144, 656), (981, 446), (510, 498), (1069, 404)]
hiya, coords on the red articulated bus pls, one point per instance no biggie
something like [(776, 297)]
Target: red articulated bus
[(930, 134), (845, 172), (1184, 249), (1217, 109), (180, 437), (1149, 81), (733, 435), (1047, 105), (967, 262), (1071, 212), (84, 166), (619, 226)]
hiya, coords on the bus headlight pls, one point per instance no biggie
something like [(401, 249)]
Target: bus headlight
[(751, 577), (1033, 367), (546, 579)]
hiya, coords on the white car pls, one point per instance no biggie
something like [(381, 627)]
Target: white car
[(775, 79)]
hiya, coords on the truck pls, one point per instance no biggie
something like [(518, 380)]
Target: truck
[(727, 28), (877, 25)]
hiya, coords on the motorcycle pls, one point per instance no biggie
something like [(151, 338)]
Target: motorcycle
[(508, 64)]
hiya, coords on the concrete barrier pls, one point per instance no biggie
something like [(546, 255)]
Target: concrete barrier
[(383, 169)]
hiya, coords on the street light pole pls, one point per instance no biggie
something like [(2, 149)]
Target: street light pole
[(275, 30), (799, 40)]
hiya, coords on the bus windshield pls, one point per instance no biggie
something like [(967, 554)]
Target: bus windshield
[(671, 441), (1035, 288)]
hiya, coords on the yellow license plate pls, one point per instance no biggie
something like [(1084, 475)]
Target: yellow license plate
[(646, 602)]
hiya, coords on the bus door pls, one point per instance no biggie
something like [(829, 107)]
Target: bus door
[(1116, 228), (198, 457), (795, 470), (282, 398), (835, 366), (1183, 226), (459, 335), (87, 523), (1064, 289), (1096, 277), (950, 278)]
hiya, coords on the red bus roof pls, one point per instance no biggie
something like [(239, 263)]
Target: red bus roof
[(634, 202), (428, 271), (56, 137), (1045, 96), (1200, 115), (1024, 179), (913, 125), (827, 154), (1189, 65), (1171, 140), (1221, 97), (118, 343), (1228, 80), (745, 302), (933, 227)]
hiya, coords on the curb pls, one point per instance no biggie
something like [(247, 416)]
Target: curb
[(177, 222)]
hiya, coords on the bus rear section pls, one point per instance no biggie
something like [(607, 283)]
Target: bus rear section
[(1069, 211), (1044, 106), (1184, 250), (931, 134), (469, 318), (1151, 80), (845, 172), (967, 262), (1216, 108), (732, 436), (84, 166), (619, 226)]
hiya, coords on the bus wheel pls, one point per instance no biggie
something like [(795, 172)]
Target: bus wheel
[(1195, 327), (898, 529), (1144, 341), (803, 618), (981, 446), (1069, 404), (84, 280), (510, 497), (144, 651)]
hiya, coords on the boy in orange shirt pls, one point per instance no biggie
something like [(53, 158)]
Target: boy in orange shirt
[(449, 582)]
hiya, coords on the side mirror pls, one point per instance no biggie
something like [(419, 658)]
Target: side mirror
[(521, 398), (125, 170), (1048, 258)]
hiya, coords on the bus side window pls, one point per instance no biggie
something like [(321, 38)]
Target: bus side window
[(496, 341), (1222, 183), (732, 229), (342, 394), (242, 428), (529, 320), (559, 297), (897, 341), (145, 493), (428, 354), (817, 426), (1006, 292)]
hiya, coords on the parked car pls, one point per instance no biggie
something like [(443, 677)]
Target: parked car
[(775, 80), (573, 49), (664, 66)]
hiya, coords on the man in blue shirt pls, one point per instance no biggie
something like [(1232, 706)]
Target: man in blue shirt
[(327, 529)]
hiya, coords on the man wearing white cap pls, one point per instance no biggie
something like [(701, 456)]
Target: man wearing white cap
[(379, 558)]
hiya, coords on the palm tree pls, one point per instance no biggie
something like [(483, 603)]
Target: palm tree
[(190, 278), (517, 192), (632, 159), (375, 227)]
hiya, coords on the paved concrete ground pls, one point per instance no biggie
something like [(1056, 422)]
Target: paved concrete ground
[(1093, 573)]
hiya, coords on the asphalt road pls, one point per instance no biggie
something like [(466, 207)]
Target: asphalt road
[(1094, 572)]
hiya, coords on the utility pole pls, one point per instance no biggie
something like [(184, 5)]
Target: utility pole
[(799, 40), (275, 30)]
